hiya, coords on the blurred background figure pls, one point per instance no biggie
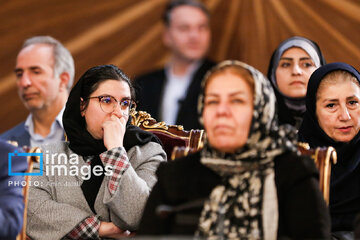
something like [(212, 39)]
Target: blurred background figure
[(44, 76), (11, 197), (128, 33), (254, 183), (290, 68), (332, 118), (170, 94)]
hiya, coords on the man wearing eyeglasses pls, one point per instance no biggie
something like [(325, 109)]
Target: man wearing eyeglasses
[(44, 75), (170, 94)]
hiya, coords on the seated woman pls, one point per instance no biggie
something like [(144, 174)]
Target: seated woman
[(332, 118), (290, 68), (255, 184), (97, 184)]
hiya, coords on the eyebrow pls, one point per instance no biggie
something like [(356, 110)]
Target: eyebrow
[(336, 100), (109, 95), (330, 100), (31, 68), (291, 59), (231, 94)]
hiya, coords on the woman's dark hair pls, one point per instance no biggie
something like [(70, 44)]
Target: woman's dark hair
[(178, 3), (93, 77)]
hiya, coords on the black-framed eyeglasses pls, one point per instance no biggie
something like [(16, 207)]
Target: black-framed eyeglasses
[(109, 103)]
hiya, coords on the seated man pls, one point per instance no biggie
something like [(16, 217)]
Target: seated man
[(44, 75), (11, 198)]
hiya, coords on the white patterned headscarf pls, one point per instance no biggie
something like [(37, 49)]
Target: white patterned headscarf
[(236, 209)]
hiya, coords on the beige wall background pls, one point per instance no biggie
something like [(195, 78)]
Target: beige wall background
[(128, 33)]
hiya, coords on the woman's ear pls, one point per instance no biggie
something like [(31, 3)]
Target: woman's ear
[(82, 107)]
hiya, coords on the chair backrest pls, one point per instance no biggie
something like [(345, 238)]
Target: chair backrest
[(323, 157), (181, 151), (31, 160), (170, 135)]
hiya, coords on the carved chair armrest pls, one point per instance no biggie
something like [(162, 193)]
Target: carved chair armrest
[(31, 160), (181, 151), (323, 158), (171, 136)]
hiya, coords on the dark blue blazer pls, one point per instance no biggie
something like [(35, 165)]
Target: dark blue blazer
[(11, 198), (18, 134)]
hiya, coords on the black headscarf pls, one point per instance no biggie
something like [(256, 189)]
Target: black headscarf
[(81, 141), (290, 109), (345, 175)]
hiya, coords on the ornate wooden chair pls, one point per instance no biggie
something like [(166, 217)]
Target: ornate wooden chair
[(323, 157), (169, 135), (31, 160)]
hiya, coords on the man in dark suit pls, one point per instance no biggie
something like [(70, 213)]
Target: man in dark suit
[(11, 198), (44, 76), (171, 94)]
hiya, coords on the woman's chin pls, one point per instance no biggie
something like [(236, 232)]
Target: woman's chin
[(226, 148), (97, 136), (343, 139)]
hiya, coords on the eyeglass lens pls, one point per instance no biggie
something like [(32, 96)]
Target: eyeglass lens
[(108, 104)]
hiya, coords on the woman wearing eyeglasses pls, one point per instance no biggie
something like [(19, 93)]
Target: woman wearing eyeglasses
[(96, 184)]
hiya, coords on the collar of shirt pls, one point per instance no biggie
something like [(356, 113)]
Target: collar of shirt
[(190, 71), (175, 91), (56, 131)]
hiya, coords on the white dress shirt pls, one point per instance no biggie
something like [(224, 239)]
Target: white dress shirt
[(175, 91)]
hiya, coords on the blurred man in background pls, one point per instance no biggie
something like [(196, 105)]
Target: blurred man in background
[(170, 94)]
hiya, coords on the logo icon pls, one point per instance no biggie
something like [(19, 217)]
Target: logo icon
[(17, 154)]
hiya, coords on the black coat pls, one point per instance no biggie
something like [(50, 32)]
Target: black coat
[(345, 174), (149, 92), (183, 184)]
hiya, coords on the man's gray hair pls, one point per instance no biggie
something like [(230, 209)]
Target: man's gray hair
[(64, 61)]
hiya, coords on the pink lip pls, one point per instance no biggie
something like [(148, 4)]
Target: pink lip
[(194, 45), (29, 96), (345, 129), (222, 127), (297, 83)]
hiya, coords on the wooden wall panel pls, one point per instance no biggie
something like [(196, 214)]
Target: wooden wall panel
[(128, 33)]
